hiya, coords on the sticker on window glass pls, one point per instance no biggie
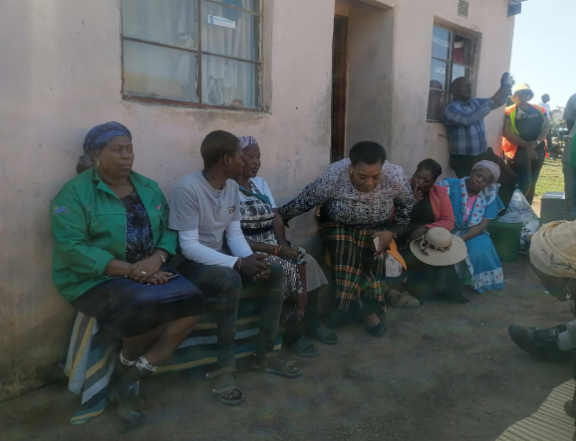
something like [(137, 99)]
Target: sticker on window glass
[(221, 21)]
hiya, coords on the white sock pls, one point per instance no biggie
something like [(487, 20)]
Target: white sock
[(126, 362), (144, 365)]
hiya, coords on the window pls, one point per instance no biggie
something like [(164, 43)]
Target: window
[(451, 59), (205, 52)]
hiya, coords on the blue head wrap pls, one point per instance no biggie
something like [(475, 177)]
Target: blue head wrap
[(98, 137)]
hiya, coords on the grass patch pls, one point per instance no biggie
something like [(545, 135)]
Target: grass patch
[(551, 177)]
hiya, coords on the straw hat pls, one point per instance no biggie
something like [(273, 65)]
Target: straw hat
[(439, 248), (552, 249)]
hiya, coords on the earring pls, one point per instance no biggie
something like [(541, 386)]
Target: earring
[(97, 163)]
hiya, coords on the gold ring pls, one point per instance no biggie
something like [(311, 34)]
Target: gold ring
[(143, 273)]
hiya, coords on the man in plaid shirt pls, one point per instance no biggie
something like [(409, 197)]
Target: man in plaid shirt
[(464, 120)]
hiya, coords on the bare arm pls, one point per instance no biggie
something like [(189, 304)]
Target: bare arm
[(260, 247), (545, 130), (279, 229), (476, 230)]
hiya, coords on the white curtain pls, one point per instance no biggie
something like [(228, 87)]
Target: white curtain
[(227, 82), (172, 73), (158, 71)]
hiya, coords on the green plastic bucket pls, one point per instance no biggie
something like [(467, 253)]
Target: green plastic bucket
[(506, 239)]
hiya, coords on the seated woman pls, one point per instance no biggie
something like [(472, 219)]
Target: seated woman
[(475, 201), (111, 245), (265, 233), (357, 197), (432, 209)]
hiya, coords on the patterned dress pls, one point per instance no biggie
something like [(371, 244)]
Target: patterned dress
[(139, 237), (257, 221), (348, 220)]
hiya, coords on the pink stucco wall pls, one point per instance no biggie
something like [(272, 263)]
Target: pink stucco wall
[(60, 74)]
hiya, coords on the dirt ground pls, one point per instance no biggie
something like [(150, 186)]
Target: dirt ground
[(442, 372)]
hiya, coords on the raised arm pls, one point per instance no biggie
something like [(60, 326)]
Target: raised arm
[(459, 115)]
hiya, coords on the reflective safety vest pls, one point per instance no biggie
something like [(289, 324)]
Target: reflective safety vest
[(507, 146)]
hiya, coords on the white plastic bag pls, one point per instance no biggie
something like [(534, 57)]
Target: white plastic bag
[(528, 231), (519, 204)]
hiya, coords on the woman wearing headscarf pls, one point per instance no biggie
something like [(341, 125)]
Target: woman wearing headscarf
[(525, 129), (358, 197), (553, 258), (432, 209), (264, 231), (110, 253), (475, 202)]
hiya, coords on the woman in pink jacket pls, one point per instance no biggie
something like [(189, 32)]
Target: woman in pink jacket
[(432, 209)]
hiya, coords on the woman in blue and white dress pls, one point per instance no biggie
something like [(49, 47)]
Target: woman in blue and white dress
[(475, 202)]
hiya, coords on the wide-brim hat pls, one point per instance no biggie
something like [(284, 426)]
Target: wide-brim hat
[(523, 86), (439, 248)]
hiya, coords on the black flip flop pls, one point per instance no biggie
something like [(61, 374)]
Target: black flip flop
[(377, 331), (322, 335), (304, 348)]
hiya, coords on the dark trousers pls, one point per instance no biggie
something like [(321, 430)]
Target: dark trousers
[(226, 284), (528, 170), (463, 164), (427, 282)]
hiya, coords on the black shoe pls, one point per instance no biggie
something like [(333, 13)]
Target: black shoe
[(542, 343), (126, 391), (456, 298), (377, 331), (128, 404)]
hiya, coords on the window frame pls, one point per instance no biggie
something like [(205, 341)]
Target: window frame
[(198, 53), (450, 62)]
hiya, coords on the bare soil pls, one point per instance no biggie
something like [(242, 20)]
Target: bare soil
[(443, 372)]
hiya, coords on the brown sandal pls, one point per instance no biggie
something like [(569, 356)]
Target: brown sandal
[(263, 364), (225, 382)]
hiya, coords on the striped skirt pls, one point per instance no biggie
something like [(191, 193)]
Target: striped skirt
[(355, 273)]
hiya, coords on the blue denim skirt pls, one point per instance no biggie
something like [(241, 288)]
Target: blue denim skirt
[(129, 308)]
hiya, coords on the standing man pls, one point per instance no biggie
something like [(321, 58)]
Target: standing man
[(569, 117), (544, 103), (205, 207), (464, 121)]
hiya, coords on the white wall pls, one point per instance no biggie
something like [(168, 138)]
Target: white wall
[(61, 74)]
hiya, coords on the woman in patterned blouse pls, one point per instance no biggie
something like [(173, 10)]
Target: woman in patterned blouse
[(359, 196)]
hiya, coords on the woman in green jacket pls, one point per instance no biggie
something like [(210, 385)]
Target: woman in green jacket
[(111, 246)]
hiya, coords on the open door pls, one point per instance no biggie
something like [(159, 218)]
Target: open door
[(339, 87)]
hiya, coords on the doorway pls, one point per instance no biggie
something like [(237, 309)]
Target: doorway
[(339, 87)]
